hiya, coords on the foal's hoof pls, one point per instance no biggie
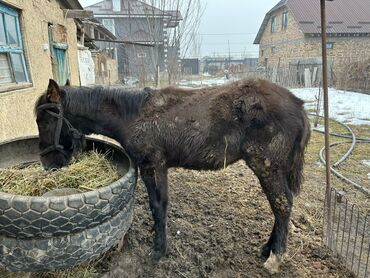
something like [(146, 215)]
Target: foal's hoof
[(273, 262), (158, 254)]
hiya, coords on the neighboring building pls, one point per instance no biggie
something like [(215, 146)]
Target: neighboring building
[(290, 33), (190, 66), (37, 42), (136, 21), (103, 50), (214, 65)]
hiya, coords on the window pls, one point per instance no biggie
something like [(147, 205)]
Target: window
[(262, 53), (273, 24), (284, 21), (329, 45), (273, 49), (109, 24), (12, 63), (116, 5)]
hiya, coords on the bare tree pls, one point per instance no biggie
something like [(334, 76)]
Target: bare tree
[(172, 26)]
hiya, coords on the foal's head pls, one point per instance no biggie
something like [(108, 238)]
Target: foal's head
[(58, 139)]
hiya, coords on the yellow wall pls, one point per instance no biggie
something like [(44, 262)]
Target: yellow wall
[(16, 106)]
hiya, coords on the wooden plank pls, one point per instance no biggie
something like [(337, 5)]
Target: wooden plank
[(149, 44), (307, 78), (274, 74), (314, 75), (78, 13)]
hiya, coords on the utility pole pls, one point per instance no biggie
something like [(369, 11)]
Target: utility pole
[(326, 116)]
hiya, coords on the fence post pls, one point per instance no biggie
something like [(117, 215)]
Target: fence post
[(326, 115)]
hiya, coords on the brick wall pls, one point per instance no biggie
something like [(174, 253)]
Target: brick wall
[(292, 44), (292, 37)]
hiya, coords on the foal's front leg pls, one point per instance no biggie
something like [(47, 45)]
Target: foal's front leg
[(155, 180)]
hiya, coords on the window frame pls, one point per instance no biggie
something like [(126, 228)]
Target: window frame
[(273, 24), (284, 20), (329, 45), (113, 31), (11, 50), (116, 5)]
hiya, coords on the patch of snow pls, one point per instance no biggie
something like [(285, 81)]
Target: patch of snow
[(345, 106), (366, 162), (204, 83)]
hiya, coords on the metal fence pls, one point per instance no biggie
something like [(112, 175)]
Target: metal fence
[(351, 74), (295, 76), (347, 233)]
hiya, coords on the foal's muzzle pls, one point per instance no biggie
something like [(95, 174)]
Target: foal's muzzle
[(78, 139)]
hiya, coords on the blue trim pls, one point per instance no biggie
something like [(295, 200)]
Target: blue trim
[(20, 41), (6, 9), (10, 49), (63, 46), (25, 67), (11, 12)]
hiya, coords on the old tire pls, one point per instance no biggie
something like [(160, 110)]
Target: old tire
[(45, 254), (45, 233)]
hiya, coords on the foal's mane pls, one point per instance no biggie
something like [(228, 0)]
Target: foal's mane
[(89, 100)]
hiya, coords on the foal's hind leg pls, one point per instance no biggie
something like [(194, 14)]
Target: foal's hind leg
[(155, 181), (274, 184)]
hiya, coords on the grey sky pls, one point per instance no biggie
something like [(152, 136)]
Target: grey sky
[(236, 21)]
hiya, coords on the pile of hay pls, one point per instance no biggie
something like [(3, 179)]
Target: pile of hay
[(87, 172)]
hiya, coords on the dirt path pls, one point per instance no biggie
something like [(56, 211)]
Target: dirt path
[(217, 223)]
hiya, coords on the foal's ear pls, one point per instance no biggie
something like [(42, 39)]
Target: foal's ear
[(53, 91)]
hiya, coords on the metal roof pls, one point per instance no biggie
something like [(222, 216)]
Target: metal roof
[(136, 8), (343, 16), (128, 7), (71, 4)]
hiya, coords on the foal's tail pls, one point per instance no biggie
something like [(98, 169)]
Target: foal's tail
[(295, 176)]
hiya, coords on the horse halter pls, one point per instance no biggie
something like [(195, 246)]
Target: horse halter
[(77, 136)]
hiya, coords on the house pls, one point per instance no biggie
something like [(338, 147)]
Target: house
[(136, 21), (291, 34), (38, 41), (214, 65), (190, 66), (101, 44)]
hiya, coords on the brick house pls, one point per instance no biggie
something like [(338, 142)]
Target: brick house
[(139, 22), (290, 32)]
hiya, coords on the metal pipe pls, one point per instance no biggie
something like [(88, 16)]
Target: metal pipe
[(338, 174), (326, 111)]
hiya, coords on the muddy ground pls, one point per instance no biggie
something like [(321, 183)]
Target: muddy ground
[(217, 223)]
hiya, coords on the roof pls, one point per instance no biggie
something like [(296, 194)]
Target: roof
[(96, 24), (128, 7), (343, 16), (175, 17), (71, 4), (136, 8)]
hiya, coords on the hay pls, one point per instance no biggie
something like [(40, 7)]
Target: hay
[(87, 172)]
